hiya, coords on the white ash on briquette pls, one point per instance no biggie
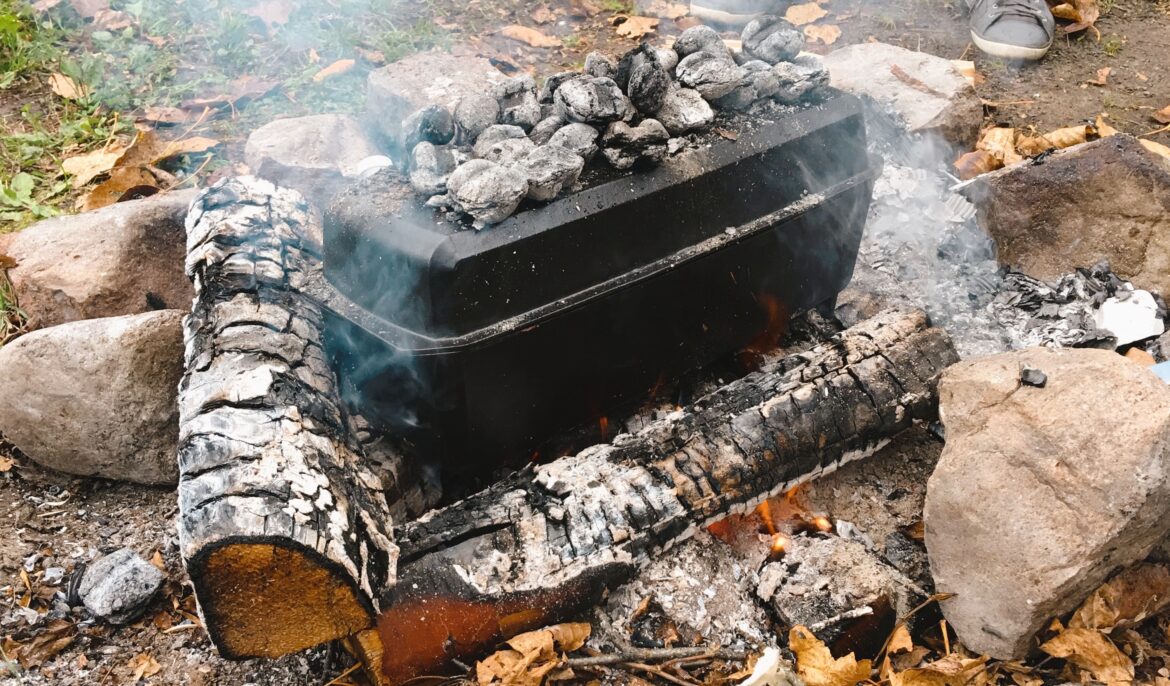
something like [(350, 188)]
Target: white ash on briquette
[(634, 110)]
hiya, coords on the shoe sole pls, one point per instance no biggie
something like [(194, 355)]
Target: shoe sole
[(1011, 52), (721, 17)]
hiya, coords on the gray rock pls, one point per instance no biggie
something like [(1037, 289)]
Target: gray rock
[(668, 58), (712, 76), (430, 165), (122, 259), (475, 113), (624, 145), (701, 39), (97, 397), (518, 103), (493, 135), (578, 138), (487, 191), (545, 128), (684, 110), (800, 78), (550, 169), (771, 39), (1042, 493), (433, 124), (508, 151), (643, 78), (952, 111), (549, 88), (403, 87), (119, 586), (758, 82), (592, 100), (316, 155), (599, 65)]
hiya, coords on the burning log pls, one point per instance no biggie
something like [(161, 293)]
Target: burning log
[(549, 540), (284, 527)]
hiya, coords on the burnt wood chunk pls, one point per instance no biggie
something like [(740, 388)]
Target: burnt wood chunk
[(285, 529), (542, 544)]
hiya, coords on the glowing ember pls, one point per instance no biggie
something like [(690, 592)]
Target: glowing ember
[(779, 544), (822, 523), (603, 423)]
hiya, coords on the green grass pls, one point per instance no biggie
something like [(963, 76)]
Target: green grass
[(1112, 44), (11, 317), (618, 6)]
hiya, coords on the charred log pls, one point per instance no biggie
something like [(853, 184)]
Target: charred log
[(542, 544), (284, 527)]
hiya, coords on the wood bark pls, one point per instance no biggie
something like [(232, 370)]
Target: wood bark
[(541, 545), (284, 516)]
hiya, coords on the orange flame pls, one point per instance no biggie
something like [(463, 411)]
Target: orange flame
[(603, 423), (765, 512), (779, 544)]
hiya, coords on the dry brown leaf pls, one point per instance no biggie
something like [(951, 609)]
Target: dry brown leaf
[(952, 670), (112, 20), (570, 636), (823, 33), (1162, 116), (1102, 77), (806, 13), (144, 665), (121, 181), (900, 641), (524, 34), (816, 666), (1001, 143), (1093, 652), (531, 656), (1060, 138), (1155, 147), (157, 561), (164, 115), (542, 15), (668, 10), (84, 168), (1082, 13), (185, 146), (903, 661), (1126, 599), (6, 463), (67, 88), (972, 164), (56, 637), (336, 69), (240, 90), (635, 27)]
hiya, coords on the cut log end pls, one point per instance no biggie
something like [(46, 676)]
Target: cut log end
[(304, 600)]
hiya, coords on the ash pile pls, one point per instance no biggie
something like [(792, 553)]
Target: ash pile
[(493, 150)]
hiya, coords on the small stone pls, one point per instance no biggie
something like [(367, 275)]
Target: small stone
[(624, 145), (518, 103), (675, 145), (550, 169), (578, 138), (545, 128), (549, 88), (599, 65), (475, 113), (701, 39), (644, 79), (712, 76), (592, 100), (430, 165), (800, 78), (433, 124), (667, 58), (683, 110), (1030, 376), (493, 135), (487, 191), (771, 39), (119, 586), (758, 82)]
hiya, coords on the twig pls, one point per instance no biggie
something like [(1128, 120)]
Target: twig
[(350, 670), (844, 616), (187, 626), (651, 655), (650, 669)]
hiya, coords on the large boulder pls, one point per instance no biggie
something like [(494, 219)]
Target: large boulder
[(925, 93), (97, 397), (121, 259), (1108, 199), (1045, 487), (401, 88), (315, 154)]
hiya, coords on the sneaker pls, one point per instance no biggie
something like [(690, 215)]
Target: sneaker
[(1012, 29), (735, 12)]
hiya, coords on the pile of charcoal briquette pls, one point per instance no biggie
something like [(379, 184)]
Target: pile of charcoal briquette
[(496, 149)]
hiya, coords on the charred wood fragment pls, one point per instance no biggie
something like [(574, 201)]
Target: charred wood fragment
[(284, 527), (542, 544)]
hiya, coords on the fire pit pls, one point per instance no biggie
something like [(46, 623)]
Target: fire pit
[(489, 342)]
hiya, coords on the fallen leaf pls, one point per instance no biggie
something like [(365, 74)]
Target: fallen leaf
[(1059, 139), (337, 68), (185, 146), (533, 37), (806, 13), (542, 15), (110, 191), (816, 666), (88, 9), (635, 27), (1082, 13), (1126, 599), (966, 69), (1093, 652), (904, 661), (1162, 116), (56, 637), (164, 115), (952, 670), (900, 641), (112, 20), (242, 89), (6, 463), (823, 33), (667, 10), (272, 12), (67, 88), (84, 168), (144, 665), (1102, 77), (1001, 143), (531, 656), (972, 164), (570, 636), (376, 57), (157, 561)]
